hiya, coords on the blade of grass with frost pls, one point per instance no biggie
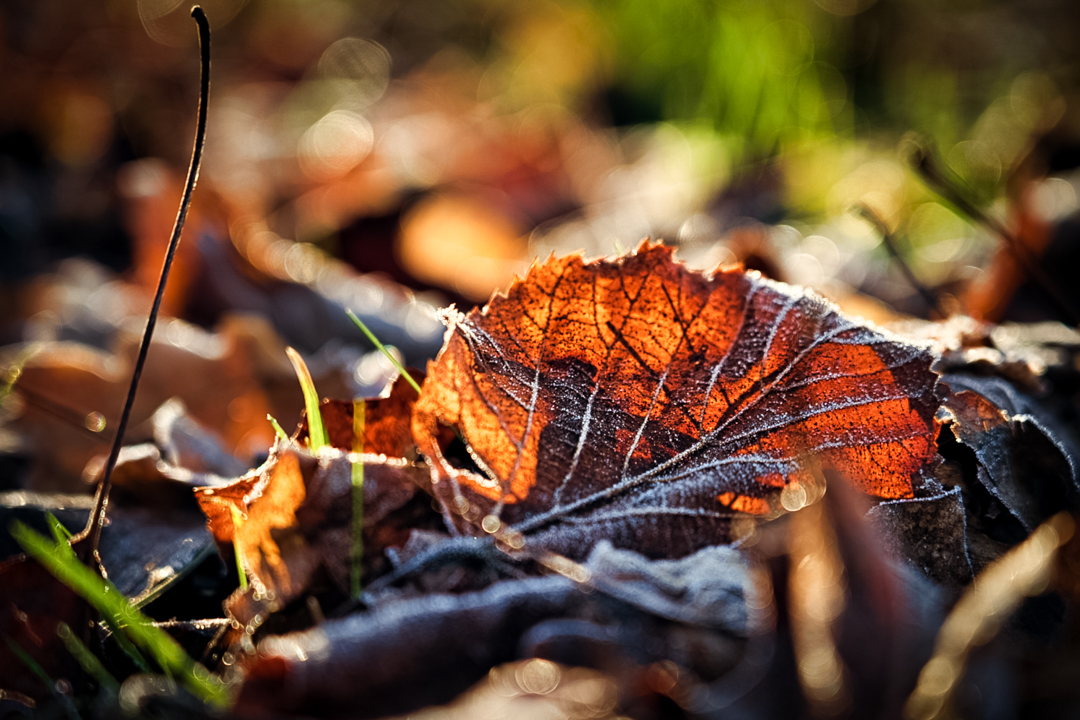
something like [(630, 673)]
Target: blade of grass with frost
[(359, 420), (277, 427), (317, 437), (125, 644), (86, 659), (61, 534), (59, 531), (382, 348), (60, 560)]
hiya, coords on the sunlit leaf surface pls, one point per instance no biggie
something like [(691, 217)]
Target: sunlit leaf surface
[(637, 400)]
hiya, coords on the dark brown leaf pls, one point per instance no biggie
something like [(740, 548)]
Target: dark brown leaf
[(1024, 460), (405, 654), (929, 533)]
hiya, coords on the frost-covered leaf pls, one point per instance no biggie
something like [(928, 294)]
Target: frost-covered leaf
[(402, 655), (1025, 461), (929, 532), (639, 401)]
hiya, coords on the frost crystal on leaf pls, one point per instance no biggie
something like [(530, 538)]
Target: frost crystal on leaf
[(642, 402)]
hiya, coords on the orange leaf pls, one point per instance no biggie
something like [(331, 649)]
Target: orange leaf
[(267, 499), (647, 403), (386, 421), (296, 509)]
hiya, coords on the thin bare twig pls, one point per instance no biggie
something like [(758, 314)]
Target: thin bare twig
[(101, 500), (894, 252), (924, 163)]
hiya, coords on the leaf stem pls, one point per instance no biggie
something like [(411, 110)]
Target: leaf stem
[(359, 421), (868, 214)]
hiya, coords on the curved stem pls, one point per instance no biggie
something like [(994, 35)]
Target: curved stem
[(101, 500)]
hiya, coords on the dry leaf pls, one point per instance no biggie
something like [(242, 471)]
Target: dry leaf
[(296, 510), (387, 429), (228, 381), (639, 401), (1024, 461), (266, 499), (405, 654)]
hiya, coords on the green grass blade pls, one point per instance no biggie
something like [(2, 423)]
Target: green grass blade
[(87, 659), (359, 421), (60, 536), (60, 560), (277, 428), (64, 700), (30, 663), (125, 644), (59, 532), (236, 520), (316, 432), (371, 336)]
